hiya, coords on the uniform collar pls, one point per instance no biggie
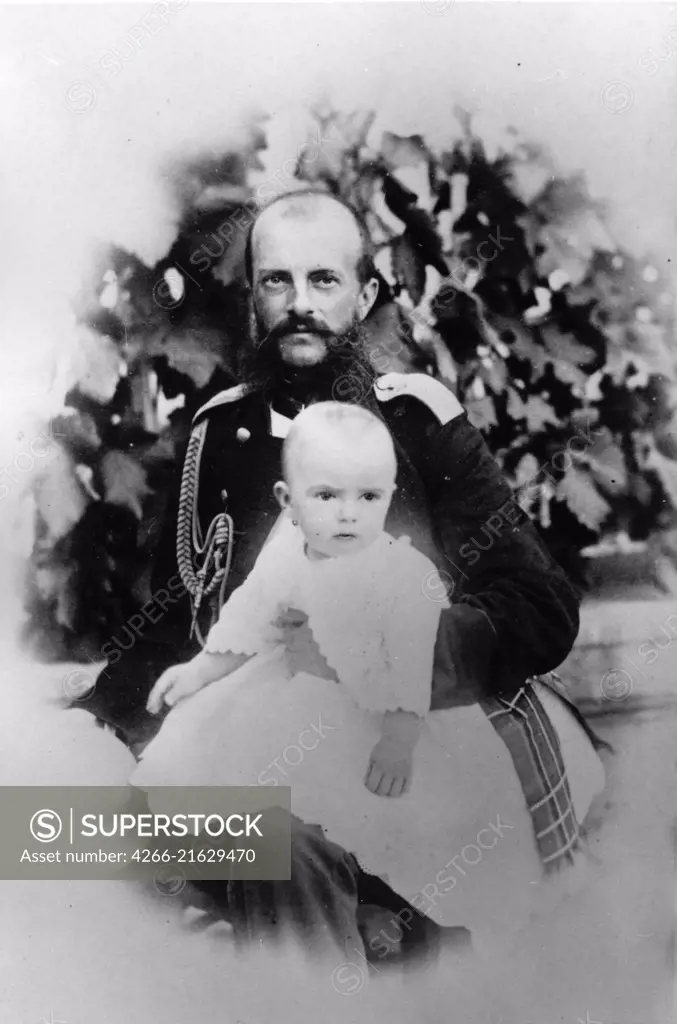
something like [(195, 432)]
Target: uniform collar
[(279, 423)]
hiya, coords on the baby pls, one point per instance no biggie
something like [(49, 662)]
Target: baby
[(339, 470), (345, 738)]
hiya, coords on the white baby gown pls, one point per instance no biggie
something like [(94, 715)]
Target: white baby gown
[(462, 830)]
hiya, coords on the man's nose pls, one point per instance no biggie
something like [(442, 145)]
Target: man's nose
[(300, 298)]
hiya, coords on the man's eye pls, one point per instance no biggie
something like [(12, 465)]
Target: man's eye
[(371, 496), (273, 281), (324, 495), (324, 279)]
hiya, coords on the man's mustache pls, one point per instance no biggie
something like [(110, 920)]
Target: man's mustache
[(294, 325)]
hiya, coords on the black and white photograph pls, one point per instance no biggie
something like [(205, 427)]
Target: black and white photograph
[(338, 512)]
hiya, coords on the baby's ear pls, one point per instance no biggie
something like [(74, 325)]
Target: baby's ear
[(281, 492)]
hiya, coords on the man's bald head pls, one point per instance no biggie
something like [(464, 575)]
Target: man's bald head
[(332, 215)]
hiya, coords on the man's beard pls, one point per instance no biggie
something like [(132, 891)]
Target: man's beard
[(344, 374)]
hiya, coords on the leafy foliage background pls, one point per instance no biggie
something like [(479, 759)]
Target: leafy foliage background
[(496, 274)]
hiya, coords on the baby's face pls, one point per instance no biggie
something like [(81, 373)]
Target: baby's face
[(339, 495)]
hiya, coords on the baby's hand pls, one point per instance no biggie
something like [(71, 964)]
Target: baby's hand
[(175, 684), (390, 767)]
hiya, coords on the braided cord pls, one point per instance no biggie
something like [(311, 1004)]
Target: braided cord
[(204, 562)]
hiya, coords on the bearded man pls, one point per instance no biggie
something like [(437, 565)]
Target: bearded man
[(513, 613)]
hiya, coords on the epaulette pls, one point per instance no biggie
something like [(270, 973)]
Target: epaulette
[(226, 397), (433, 393)]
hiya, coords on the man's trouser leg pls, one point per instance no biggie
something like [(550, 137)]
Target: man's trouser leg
[(119, 696), (317, 908)]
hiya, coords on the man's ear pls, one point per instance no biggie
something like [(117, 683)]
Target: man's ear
[(281, 492), (367, 297)]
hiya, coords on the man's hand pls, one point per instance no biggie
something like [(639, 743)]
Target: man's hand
[(303, 654), (390, 767), (175, 684)]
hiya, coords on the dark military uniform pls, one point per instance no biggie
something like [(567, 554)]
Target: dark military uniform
[(514, 614)]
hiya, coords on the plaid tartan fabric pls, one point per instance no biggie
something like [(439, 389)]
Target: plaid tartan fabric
[(528, 734)]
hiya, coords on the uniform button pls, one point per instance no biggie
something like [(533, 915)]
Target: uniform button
[(243, 434)]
